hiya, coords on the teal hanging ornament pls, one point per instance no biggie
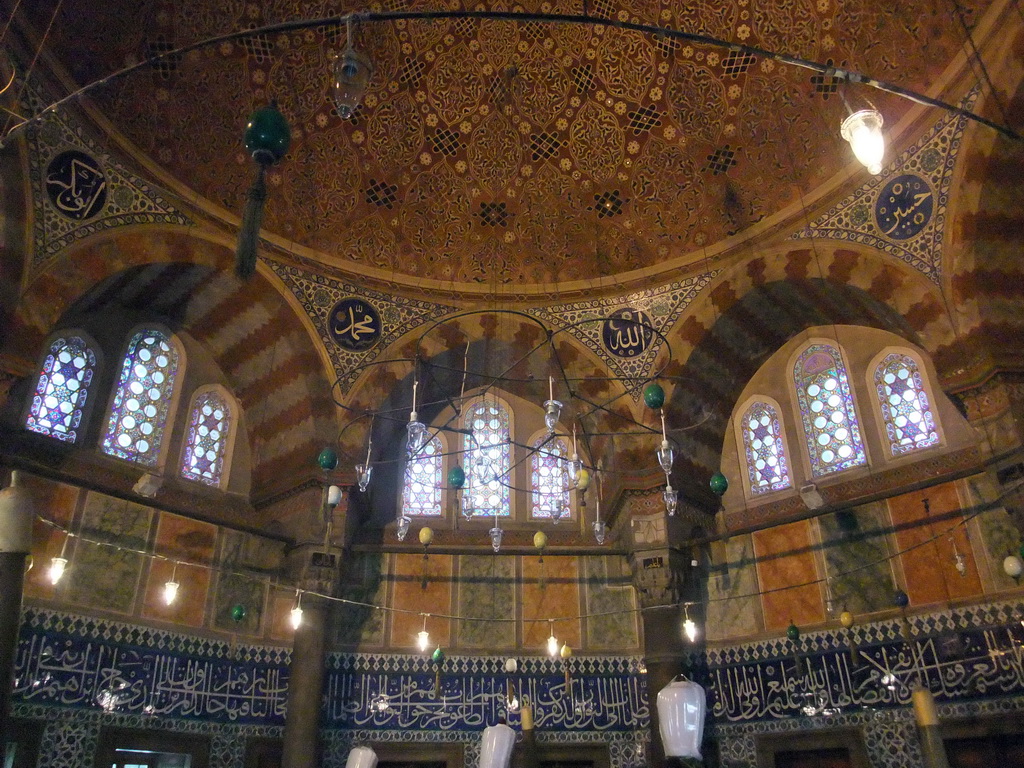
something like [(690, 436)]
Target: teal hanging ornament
[(793, 632), (267, 137), (437, 655), (456, 477), (238, 613), (328, 459), (719, 484), (654, 395)]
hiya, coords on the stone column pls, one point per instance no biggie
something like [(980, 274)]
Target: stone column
[(658, 575), (305, 688), (16, 513)]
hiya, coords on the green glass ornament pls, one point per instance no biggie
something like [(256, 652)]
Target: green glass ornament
[(719, 484), (456, 477), (793, 632), (238, 613), (654, 395), (328, 459), (267, 135), (437, 655)]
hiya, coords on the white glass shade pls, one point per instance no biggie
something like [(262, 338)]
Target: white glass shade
[(496, 746), (170, 592), (57, 567), (361, 757), (423, 640), (333, 496), (1013, 566), (296, 617), (681, 710), (863, 130), (690, 629), (351, 73)]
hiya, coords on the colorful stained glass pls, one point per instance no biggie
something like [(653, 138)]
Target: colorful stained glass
[(549, 480), (139, 413), (826, 406), (422, 493), (766, 456), (62, 390), (207, 439), (488, 460), (908, 419)]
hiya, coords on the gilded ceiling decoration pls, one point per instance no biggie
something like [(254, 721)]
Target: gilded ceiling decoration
[(498, 152)]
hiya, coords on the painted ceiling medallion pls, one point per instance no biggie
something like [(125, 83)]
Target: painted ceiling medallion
[(355, 324)]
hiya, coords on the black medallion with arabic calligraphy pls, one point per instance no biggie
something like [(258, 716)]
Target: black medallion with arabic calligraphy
[(627, 332), (354, 324), (904, 207), (76, 185)]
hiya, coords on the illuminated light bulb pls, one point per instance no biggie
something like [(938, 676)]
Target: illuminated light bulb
[(553, 646), (863, 129), (57, 567), (690, 629), (170, 592), (296, 614), (423, 640)]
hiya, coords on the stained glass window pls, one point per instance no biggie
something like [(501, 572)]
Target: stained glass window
[(908, 419), (826, 406), (549, 480), (143, 399), (766, 456), (207, 439), (488, 458), (422, 493), (63, 387)]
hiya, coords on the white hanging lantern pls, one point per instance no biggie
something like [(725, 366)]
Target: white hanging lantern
[(681, 710), (361, 757), (496, 746), (863, 129)]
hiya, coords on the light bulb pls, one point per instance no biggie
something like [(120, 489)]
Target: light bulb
[(403, 527), (296, 617), (170, 592), (690, 628), (363, 476), (552, 645), (671, 497), (666, 456), (423, 640), (863, 130), (57, 567)]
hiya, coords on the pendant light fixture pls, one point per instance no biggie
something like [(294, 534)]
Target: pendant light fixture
[(552, 640), (351, 76), (552, 408), (416, 429), (575, 465), (59, 564), (296, 613), (171, 586), (423, 637), (666, 455), (863, 129)]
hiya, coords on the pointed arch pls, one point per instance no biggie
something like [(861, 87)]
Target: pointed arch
[(62, 391), (422, 494), (488, 457), (904, 406), (210, 437), (143, 400), (764, 446), (827, 410)]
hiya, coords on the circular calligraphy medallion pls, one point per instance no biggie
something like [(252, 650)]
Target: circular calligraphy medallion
[(904, 207), (354, 324), (627, 332), (76, 185)]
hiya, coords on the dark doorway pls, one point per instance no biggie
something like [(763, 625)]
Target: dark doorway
[(986, 751), (23, 743), (838, 757), (151, 749), (263, 753)]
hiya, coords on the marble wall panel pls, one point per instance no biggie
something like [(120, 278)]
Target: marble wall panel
[(56, 502), (609, 592), (785, 559), (733, 608), (363, 581), (107, 575), (194, 543), (550, 589), (857, 551), (421, 585), (487, 592), (927, 546), (245, 558)]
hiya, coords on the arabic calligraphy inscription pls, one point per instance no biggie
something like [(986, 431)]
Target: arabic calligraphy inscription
[(904, 207), (76, 185), (355, 324), (627, 332)]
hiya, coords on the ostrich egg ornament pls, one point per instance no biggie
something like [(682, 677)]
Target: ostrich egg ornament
[(681, 709)]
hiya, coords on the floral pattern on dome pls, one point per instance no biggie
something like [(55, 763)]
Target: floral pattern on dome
[(766, 456), (827, 410), (138, 416), (908, 420), (207, 439), (62, 390)]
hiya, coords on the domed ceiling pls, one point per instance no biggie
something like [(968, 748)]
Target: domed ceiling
[(499, 152)]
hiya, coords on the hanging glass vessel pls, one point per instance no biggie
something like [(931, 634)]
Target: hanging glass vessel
[(574, 465), (495, 533), (552, 413), (403, 527), (666, 455), (363, 476), (671, 497), (600, 531), (417, 433)]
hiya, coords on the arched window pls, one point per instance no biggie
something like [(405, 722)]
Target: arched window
[(488, 457), (549, 480), (763, 443), (421, 495), (142, 401), (208, 438), (63, 387), (907, 417), (827, 410)]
